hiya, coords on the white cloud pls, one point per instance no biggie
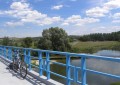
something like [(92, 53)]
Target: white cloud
[(105, 8), (78, 21), (57, 7), (25, 14), (116, 21), (65, 24), (87, 30), (97, 12), (105, 29), (48, 21), (14, 24), (19, 6), (116, 16), (1, 12), (112, 4)]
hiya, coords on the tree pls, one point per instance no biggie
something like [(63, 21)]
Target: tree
[(54, 38), (45, 44), (27, 42), (114, 36), (6, 41), (119, 37)]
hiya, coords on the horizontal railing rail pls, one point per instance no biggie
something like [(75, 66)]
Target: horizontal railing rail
[(44, 64)]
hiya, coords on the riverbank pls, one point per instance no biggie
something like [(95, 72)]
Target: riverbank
[(118, 83), (92, 47), (96, 64)]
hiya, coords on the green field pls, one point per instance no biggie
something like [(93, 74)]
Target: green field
[(118, 83), (91, 47)]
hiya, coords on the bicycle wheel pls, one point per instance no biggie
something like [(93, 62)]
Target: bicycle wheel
[(15, 66), (23, 69)]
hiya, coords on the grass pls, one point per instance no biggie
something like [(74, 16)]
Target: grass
[(117, 83), (91, 47)]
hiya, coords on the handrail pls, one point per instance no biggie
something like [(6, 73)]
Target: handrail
[(44, 64)]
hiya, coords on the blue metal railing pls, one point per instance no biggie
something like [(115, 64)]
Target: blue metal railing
[(44, 65)]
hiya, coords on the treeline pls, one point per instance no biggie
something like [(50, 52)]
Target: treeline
[(25, 42), (57, 39), (54, 38), (114, 36)]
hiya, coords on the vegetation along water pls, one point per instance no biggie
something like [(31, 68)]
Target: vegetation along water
[(57, 39)]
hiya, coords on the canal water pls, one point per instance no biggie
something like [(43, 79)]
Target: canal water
[(93, 64), (103, 66)]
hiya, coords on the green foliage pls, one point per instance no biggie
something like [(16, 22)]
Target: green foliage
[(116, 46), (91, 47), (54, 38), (45, 44), (58, 40), (75, 50), (27, 42), (117, 83), (119, 37), (15, 44), (6, 41), (74, 38), (114, 36)]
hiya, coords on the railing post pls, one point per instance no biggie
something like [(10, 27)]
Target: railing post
[(68, 70), (29, 59), (83, 70), (75, 74), (48, 65), (9, 53), (40, 63), (5, 52), (0, 50), (44, 64), (7, 49), (25, 55)]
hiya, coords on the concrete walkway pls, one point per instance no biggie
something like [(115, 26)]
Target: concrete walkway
[(8, 77)]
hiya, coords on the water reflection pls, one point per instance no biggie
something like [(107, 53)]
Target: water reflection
[(103, 66), (109, 53), (94, 64), (60, 70)]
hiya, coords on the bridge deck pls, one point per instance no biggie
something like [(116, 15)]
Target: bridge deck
[(8, 77)]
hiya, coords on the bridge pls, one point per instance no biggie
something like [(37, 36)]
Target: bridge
[(43, 76)]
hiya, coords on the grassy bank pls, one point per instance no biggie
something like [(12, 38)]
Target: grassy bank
[(91, 47), (118, 83)]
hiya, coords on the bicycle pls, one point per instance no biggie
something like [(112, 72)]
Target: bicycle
[(19, 64)]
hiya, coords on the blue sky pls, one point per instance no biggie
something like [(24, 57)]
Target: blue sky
[(23, 18)]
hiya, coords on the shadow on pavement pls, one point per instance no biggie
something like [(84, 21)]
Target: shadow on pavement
[(17, 75)]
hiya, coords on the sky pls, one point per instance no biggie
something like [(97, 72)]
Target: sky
[(28, 18)]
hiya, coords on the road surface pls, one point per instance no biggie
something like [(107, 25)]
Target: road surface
[(8, 77)]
